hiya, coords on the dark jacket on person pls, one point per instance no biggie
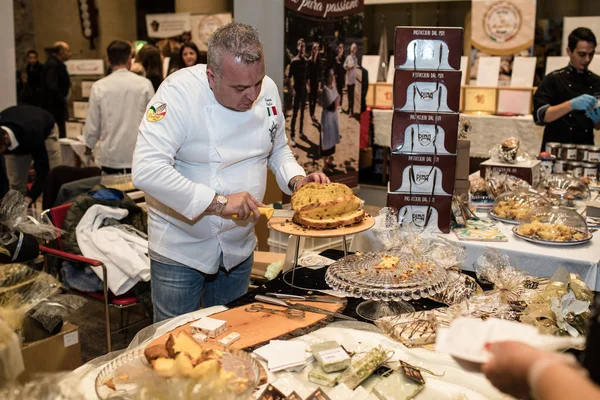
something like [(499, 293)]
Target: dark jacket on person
[(31, 126), (34, 81), (55, 85)]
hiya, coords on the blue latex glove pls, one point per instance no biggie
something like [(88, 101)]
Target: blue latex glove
[(583, 102), (594, 114)]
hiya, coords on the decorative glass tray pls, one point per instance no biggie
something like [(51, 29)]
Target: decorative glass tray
[(413, 278)]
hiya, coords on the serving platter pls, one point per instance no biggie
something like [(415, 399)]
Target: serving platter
[(550, 242)]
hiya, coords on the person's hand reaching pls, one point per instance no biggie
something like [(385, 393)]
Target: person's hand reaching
[(242, 204), (594, 115), (317, 177), (583, 102)]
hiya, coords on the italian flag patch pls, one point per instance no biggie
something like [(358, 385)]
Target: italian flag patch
[(272, 111)]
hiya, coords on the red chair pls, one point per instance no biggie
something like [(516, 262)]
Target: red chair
[(57, 215)]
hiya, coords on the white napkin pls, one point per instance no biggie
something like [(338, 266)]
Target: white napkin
[(466, 338), (282, 354)]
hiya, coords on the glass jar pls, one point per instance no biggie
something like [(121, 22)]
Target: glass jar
[(582, 152), (590, 170), (560, 167), (593, 154), (575, 168), (553, 148), (568, 152)]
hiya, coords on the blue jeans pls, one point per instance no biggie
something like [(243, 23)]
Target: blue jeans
[(179, 290)]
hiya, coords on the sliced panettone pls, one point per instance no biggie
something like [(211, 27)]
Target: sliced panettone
[(326, 206), (183, 343)]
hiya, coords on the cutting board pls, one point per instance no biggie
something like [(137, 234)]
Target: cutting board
[(260, 327), (285, 225)]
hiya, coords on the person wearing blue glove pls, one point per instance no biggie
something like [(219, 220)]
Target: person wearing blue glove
[(566, 99)]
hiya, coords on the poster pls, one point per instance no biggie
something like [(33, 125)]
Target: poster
[(203, 26), (167, 25), (322, 98)]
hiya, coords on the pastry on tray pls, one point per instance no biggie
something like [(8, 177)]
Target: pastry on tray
[(550, 232), (326, 206), (512, 209)]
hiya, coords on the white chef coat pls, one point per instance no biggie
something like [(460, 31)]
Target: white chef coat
[(352, 63), (200, 148), (116, 107)]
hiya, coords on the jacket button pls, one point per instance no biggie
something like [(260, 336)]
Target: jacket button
[(569, 85), (570, 129), (570, 115), (586, 131)]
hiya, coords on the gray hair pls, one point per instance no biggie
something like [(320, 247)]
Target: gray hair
[(239, 40)]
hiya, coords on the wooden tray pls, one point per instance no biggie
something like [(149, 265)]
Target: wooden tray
[(291, 228), (260, 327)]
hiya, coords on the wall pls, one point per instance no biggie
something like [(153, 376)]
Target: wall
[(24, 30), (8, 82), (206, 6)]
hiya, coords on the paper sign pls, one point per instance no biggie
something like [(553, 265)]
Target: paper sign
[(514, 102), (71, 338), (167, 25), (523, 71), (480, 99), (74, 129), (390, 75), (464, 68), (85, 67), (371, 64), (204, 25), (554, 63), (86, 88), (488, 71), (80, 109)]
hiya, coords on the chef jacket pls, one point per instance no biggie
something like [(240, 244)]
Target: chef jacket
[(556, 88), (116, 107), (189, 148)]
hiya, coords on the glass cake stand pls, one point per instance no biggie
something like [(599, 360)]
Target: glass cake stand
[(286, 226), (386, 290)]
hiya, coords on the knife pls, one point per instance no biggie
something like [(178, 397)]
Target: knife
[(321, 299), (288, 304), (271, 212)]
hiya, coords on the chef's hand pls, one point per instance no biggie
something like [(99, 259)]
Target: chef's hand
[(594, 114), (509, 366), (242, 204), (583, 102), (317, 177)]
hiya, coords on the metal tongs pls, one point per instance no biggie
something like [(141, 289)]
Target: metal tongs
[(320, 299), (303, 307)]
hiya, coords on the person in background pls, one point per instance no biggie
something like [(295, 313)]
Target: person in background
[(55, 85), (566, 100), (351, 66), (28, 133), (315, 85), (298, 85), (201, 157), (149, 57), (116, 106), (330, 130), (189, 55), (34, 76), (340, 72)]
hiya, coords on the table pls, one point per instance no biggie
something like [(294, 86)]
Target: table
[(73, 152), (537, 260), (487, 131)]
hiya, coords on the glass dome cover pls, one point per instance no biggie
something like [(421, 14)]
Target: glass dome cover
[(513, 206), (553, 224), (563, 189)]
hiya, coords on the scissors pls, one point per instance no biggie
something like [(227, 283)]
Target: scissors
[(290, 313)]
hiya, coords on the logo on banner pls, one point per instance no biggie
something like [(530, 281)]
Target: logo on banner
[(156, 112), (502, 21), (425, 138), (418, 218), (421, 178), (326, 8)]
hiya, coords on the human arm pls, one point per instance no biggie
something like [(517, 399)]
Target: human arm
[(546, 111), (594, 115), (93, 129), (41, 165), (521, 370)]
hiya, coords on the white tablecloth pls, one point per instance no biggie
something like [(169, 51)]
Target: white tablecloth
[(538, 260), (69, 148), (487, 131)]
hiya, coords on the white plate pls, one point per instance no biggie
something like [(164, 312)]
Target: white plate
[(549, 242), (505, 220)]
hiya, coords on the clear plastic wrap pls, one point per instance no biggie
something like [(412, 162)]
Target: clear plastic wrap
[(498, 183), (508, 151), (563, 190), (497, 268), (54, 310), (59, 386), (15, 215), (464, 127)]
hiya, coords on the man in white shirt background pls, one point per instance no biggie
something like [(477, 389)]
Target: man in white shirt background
[(204, 146), (116, 107), (351, 66)]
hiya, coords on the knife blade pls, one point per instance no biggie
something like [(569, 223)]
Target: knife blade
[(320, 299), (288, 304), (270, 212)]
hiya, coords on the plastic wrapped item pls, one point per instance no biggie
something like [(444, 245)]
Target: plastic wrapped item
[(513, 206), (563, 190), (460, 288), (508, 151), (553, 225), (320, 377), (331, 356), (15, 216), (52, 312), (363, 368), (387, 228), (11, 360), (497, 268), (464, 127), (122, 182), (59, 386), (498, 183), (415, 329)]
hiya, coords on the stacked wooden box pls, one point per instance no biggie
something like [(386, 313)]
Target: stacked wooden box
[(425, 125)]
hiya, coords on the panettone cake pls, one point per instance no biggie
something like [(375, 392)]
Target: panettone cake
[(326, 206)]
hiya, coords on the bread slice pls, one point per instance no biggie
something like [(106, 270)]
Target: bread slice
[(330, 222), (183, 343)]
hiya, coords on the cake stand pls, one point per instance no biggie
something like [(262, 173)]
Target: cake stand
[(286, 226), (386, 290)]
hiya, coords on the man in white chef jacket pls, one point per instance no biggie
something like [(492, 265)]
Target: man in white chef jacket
[(117, 104), (203, 149)]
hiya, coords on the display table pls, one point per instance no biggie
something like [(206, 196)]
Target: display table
[(72, 152), (487, 130)]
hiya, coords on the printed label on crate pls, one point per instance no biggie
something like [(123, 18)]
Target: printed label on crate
[(428, 48), (529, 171), (428, 91), (424, 133), (422, 173), (432, 212)]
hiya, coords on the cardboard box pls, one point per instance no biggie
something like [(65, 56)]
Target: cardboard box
[(370, 99), (427, 91), (529, 171), (384, 95), (463, 158), (415, 133), (461, 187), (61, 352), (425, 44), (483, 100), (423, 210), (420, 173)]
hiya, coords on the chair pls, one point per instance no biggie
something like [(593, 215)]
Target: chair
[(123, 302)]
